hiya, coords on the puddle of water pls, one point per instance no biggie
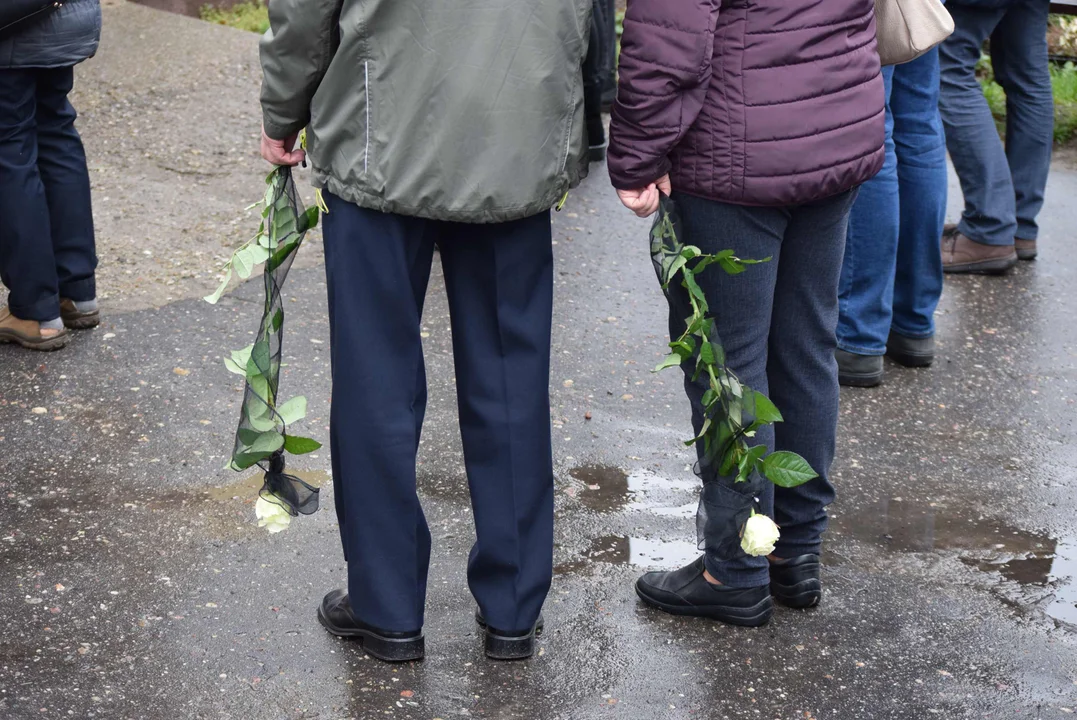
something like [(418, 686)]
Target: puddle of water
[(639, 551), (611, 489), (1027, 558)]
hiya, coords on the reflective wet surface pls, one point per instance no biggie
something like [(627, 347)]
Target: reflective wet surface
[(134, 582)]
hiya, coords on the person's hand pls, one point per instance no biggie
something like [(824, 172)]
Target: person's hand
[(644, 202), (281, 152)]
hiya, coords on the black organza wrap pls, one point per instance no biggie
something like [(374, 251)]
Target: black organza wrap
[(724, 504), (262, 437)]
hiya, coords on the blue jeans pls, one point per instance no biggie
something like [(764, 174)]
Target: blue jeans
[(499, 281), (1003, 187), (46, 237), (891, 277), (776, 322)]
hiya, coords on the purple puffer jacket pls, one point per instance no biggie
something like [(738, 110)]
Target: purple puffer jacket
[(750, 102)]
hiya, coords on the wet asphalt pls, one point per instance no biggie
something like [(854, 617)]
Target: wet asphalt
[(135, 584)]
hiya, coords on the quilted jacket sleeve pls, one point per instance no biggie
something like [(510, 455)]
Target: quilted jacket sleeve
[(665, 67), (295, 55)]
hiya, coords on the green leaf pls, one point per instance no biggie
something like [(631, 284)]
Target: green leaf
[(216, 295), (297, 445), (732, 265), (261, 418), (709, 397), (706, 353), (685, 347), (695, 291), (748, 462), (260, 357), (787, 469), (309, 219), (257, 254), (688, 252), (765, 411), (675, 267), (278, 319), (294, 410), (242, 264), (673, 360), (234, 368)]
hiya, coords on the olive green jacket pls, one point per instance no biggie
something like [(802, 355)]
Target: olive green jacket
[(461, 110)]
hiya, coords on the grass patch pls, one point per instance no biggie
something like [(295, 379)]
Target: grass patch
[(1064, 83), (252, 16)]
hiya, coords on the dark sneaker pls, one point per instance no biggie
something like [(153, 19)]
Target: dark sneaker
[(961, 254), (507, 645), (859, 370), (1026, 249), (76, 319), (910, 352), (687, 592), (795, 582), (335, 615)]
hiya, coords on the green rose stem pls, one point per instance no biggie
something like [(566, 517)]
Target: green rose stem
[(733, 412), (263, 432)]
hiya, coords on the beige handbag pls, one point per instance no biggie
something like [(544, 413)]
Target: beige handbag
[(907, 29)]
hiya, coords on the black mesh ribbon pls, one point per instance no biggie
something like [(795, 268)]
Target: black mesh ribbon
[(724, 504), (262, 436)]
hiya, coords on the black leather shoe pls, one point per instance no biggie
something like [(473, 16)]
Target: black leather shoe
[(504, 645), (687, 592), (859, 370), (911, 352), (795, 582), (335, 615)]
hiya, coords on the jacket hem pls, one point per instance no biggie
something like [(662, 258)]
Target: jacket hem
[(485, 216)]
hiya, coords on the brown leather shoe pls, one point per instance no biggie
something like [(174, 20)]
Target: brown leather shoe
[(28, 333), (1026, 249), (963, 255), (78, 320)]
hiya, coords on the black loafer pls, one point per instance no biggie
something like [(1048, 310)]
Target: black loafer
[(335, 615), (911, 352), (502, 645), (859, 370), (687, 592), (795, 582)]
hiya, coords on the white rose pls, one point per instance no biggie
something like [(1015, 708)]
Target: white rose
[(760, 536), (271, 516)]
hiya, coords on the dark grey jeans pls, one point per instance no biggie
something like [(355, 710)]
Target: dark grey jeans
[(777, 322)]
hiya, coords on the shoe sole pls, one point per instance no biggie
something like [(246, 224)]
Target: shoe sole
[(82, 321), (509, 647), (860, 380), (997, 266), (1026, 254), (801, 596), (383, 648), (910, 360), (757, 615), (41, 345)]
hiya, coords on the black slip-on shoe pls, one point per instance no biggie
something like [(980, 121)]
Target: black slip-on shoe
[(687, 592), (795, 582), (503, 645), (859, 370), (335, 615), (911, 352)]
